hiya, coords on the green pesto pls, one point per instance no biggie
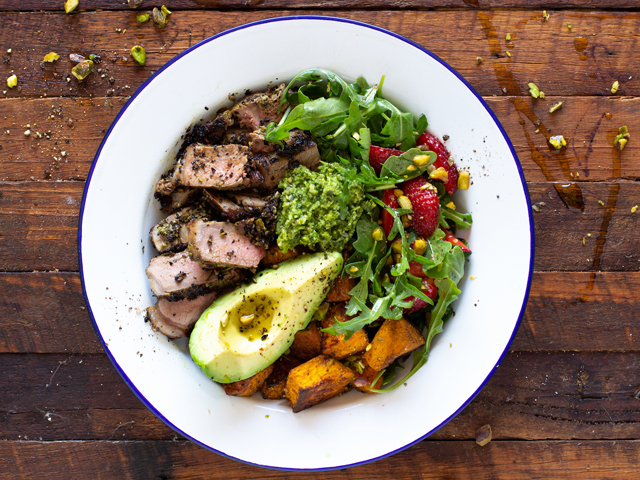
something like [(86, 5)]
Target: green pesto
[(318, 209)]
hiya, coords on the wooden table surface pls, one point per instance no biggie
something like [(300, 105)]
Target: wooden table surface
[(565, 403)]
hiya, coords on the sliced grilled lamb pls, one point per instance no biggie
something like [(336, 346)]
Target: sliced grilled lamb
[(298, 149), (177, 277), (261, 229), (214, 166), (181, 197), (171, 234), (228, 209), (209, 133), (260, 109), (253, 202), (175, 319), (220, 244)]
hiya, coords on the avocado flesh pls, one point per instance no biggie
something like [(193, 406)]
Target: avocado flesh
[(282, 301)]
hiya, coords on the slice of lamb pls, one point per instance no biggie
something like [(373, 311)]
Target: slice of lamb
[(301, 149), (214, 166), (177, 277), (220, 244), (273, 169), (181, 197), (173, 273), (175, 319), (227, 208), (258, 143), (170, 234), (161, 324), (253, 202), (260, 109)]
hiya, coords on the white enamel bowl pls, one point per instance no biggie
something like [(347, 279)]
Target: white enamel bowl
[(118, 210)]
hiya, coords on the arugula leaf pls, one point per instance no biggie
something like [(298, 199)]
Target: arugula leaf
[(396, 167), (452, 266), (462, 220), (448, 293), (307, 116)]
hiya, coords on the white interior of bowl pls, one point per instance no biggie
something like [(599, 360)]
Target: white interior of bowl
[(119, 211)]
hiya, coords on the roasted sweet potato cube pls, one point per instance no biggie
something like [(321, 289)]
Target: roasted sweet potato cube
[(335, 345), (248, 386), (308, 342), (339, 292), (394, 339), (275, 255), (315, 381), (273, 387), (363, 380)]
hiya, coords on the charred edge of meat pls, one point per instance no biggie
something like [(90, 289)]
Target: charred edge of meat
[(147, 317), (167, 205), (297, 144), (195, 291), (261, 230), (208, 133), (237, 138), (253, 174)]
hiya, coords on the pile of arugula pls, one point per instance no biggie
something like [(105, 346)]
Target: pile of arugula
[(345, 119)]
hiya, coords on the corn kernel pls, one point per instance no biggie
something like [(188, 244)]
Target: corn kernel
[(353, 270), (398, 193), (451, 205), (396, 246), (421, 161), (463, 180), (419, 246), (406, 221), (440, 174), (378, 235), (411, 168), (404, 202)]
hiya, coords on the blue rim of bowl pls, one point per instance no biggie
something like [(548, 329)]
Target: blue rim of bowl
[(235, 29)]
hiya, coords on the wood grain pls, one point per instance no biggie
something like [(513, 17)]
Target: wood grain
[(427, 460), (584, 121), (543, 52), (38, 226), (531, 396), (88, 5), (45, 313)]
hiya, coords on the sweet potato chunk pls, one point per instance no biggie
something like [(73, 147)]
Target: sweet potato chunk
[(341, 288), (363, 380), (307, 342), (394, 339), (315, 381), (248, 386), (334, 345), (275, 255), (273, 387)]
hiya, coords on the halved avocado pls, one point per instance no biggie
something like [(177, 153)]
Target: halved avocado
[(228, 348)]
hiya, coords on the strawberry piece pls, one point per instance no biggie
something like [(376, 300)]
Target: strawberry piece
[(425, 204), (436, 146), (429, 289), (390, 200), (415, 269), (449, 237), (379, 155)]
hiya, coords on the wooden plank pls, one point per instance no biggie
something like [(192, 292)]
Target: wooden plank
[(532, 396), (426, 460), (544, 52), (589, 124), (88, 5), (45, 313), (47, 212), (38, 225)]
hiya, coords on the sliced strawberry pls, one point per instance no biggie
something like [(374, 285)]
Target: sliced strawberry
[(415, 269), (436, 146), (429, 289), (379, 155), (449, 237), (390, 200), (425, 204)]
